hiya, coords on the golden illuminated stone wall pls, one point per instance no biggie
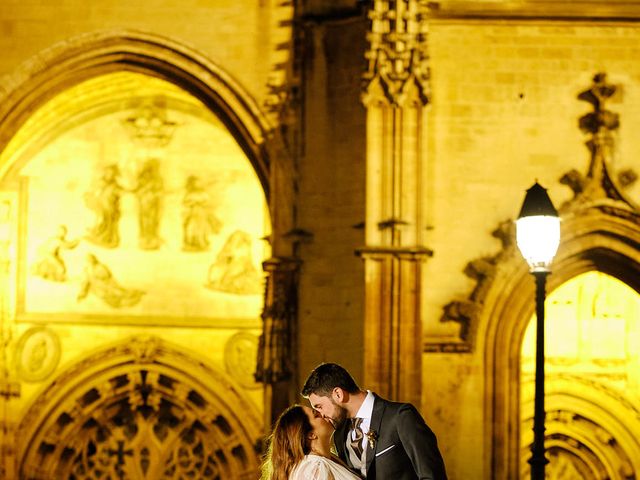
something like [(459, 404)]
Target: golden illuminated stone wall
[(137, 228), (592, 366), (236, 34), (152, 157), (504, 113), (135, 170)]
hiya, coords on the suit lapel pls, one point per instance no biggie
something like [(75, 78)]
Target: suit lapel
[(339, 440), (374, 429)]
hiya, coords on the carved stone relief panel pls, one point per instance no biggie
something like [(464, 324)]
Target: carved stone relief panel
[(126, 170)]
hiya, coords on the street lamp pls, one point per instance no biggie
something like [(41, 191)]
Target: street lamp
[(538, 237)]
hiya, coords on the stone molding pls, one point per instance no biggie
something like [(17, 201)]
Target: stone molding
[(587, 10)]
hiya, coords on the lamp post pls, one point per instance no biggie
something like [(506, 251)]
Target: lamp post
[(538, 237)]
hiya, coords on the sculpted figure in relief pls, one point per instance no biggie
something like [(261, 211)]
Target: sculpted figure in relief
[(50, 264), (105, 202), (148, 192), (198, 221), (99, 280), (234, 271)]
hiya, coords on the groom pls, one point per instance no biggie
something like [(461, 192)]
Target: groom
[(375, 437)]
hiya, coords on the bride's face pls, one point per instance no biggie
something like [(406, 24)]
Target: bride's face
[(321, 427)]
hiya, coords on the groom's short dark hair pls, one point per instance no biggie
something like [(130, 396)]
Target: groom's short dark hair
[(327, 376)]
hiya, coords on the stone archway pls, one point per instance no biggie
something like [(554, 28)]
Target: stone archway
[(595, 240), (140, 410), (600, 231), (591, 430), (87, 56)]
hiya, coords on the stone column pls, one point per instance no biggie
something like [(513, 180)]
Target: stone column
[(396, 96), (276, 366), (9, 387), (277, 356)]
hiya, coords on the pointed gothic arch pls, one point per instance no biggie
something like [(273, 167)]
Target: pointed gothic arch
[(600, 231), (597, 235), (81, 58), (604, 240), (140, 409), (592, 425), (234, 433)]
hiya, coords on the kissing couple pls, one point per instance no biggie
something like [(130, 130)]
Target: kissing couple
[(350, 434)]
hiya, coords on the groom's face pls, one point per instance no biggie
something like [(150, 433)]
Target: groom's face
[(329, 408)]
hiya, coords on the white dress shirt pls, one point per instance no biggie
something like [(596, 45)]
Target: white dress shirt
[(365, 412)]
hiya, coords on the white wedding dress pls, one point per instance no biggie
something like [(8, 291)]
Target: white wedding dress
[(316, 467)]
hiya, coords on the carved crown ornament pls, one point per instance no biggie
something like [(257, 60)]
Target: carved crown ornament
[(597, 191), (149, 124), (397, 58)]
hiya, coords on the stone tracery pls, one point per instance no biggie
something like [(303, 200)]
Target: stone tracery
[(140, 420)]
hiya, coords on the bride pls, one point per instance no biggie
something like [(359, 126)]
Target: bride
[(300, 449)]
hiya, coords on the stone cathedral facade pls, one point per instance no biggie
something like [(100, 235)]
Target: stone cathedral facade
[(201, 201)]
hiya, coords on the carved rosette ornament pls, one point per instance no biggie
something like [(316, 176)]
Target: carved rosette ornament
[(240, 352), (36, 354)]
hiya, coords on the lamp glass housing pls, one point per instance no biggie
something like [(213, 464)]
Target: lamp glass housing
[(538, 237)]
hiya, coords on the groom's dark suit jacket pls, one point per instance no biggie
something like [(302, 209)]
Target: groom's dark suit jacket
[(405, 448)]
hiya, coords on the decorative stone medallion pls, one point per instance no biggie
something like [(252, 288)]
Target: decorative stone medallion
[(37, 354), (240, 354)]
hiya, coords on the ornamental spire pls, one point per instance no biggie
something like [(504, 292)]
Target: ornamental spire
[(397, 58), (599, 187)]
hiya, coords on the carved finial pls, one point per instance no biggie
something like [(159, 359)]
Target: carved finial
[(398, 70), (505, 232), (597, 95), (574, 180), (463, 313), (598, 187)]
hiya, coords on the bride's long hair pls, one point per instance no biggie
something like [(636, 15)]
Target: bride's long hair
[(288, 444)]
